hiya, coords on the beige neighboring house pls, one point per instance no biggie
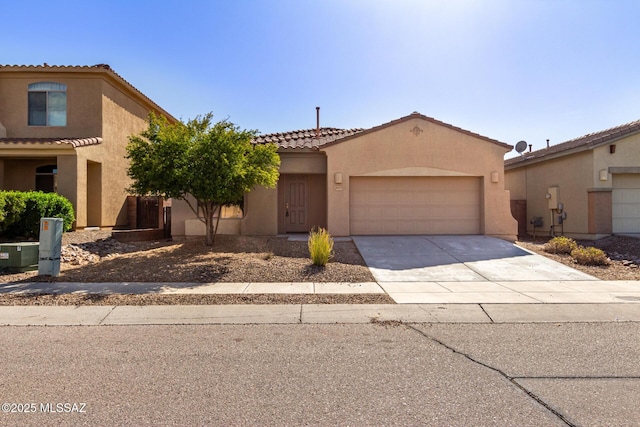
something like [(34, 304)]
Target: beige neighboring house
[(414, 175), (593, 180), (64, 129)]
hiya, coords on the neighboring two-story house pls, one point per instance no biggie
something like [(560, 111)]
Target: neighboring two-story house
[(64, 129)]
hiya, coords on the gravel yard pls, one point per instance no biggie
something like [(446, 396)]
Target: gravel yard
[(93, 256), (623, 251)]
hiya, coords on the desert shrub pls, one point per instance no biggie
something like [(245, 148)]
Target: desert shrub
[(589, 256), (39, 205), (12, 206), (320, 246), (560, 245)]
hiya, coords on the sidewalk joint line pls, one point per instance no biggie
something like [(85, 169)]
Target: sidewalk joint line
[(485, 312), (107, 315), (512, 380)]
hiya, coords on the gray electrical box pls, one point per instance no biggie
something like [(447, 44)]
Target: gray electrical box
[(19, 257), (50, 246)]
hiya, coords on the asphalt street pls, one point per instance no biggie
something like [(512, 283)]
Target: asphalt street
[(388, 373)]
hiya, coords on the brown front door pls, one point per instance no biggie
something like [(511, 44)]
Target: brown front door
[(297, 204)]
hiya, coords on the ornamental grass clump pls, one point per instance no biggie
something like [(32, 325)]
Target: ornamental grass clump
[(560, 245), (589, 256), (320, 246)]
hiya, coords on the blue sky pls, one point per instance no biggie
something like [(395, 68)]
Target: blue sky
[(507, 69)]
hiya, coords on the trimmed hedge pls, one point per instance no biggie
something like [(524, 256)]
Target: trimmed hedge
[(20, 212)]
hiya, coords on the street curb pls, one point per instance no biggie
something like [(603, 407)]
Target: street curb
[(310, 314)]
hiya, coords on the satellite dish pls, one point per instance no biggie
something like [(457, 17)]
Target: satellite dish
[(521, 146)]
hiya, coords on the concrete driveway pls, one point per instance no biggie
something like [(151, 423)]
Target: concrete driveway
[(457, 259)]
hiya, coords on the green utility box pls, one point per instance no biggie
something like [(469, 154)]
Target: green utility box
[(19, 257)]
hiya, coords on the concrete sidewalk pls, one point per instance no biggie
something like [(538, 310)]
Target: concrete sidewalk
[(441, 292), (314, 314), (172, 288)]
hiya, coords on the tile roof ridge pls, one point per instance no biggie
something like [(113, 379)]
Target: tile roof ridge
[(605, 131), (588, 140), (311, 130), (45, 65)]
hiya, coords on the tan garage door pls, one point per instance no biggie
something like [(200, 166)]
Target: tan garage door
[(414, 205), (626, 203)]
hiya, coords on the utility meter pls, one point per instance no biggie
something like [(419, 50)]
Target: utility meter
[(50, 246)]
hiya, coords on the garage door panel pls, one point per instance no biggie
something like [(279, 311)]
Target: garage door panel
[(626, 203), (415, 205), (629, 211), (463, 213), (626, 195)]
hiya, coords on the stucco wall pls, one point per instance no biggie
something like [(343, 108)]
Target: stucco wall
[(418, 147), (83, 105), (627, 154), (515, 182), (261, 212), (20, 174), (261, 204), (302, 162), (573, 175), (586, 197), (184, 222), (123, 116)]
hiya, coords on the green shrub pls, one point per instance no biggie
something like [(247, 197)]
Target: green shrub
[(560, 245), (589, 256), (29, 207), (12, 206), (320, 246)]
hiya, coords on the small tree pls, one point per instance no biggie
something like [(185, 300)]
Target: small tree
[(215, 163)]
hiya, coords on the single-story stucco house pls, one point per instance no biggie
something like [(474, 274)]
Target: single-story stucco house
[(586, 188), (64, 129), (413, 175)]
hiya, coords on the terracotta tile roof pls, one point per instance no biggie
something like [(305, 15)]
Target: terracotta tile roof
[(305, 138), (585, 142), (74, 142), (86, 68)]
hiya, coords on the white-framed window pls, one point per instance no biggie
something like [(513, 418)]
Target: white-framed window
[(47, 104)]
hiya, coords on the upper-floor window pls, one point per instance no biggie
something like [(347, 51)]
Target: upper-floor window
[(47, 104)]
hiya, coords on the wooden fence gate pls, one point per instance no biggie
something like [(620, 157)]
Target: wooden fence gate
[(149, 212)]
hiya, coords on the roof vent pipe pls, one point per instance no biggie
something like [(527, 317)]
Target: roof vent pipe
[(547, 143), (530, 147), (317, 122)]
